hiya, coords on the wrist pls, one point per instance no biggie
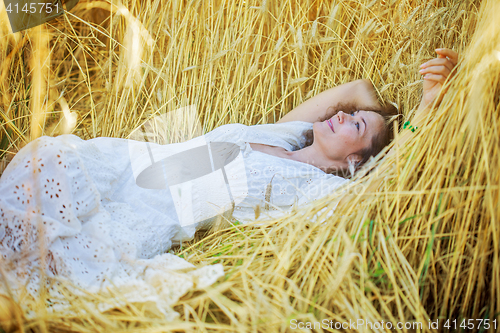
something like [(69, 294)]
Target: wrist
[(424, 106)]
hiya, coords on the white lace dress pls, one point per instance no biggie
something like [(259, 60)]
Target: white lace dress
[(82, 209)]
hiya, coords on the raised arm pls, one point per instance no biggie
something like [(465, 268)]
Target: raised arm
[(435, 71), (360, 93)]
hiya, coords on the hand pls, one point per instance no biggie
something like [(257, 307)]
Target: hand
[(435, 72)]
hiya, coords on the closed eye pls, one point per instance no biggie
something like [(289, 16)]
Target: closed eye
[(357, 124)]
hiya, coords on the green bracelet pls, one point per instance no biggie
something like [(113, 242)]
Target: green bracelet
[(407, 125)]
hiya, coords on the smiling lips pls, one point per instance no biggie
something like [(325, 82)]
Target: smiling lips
[(329, 122)]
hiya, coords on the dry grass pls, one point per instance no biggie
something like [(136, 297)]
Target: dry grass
[(424, 245)]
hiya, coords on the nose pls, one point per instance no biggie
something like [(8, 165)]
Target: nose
[(341, 116)]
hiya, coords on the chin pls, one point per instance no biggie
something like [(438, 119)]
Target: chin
[(316, 131), (321, 129), (320, 137)]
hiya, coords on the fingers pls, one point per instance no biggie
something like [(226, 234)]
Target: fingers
[(450, 54), (435, 77), (442, 66), (438, 62), (436, 70)]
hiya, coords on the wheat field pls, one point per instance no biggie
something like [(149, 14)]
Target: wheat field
[(422, 245)]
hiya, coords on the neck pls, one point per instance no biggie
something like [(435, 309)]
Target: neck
[(310, 155)]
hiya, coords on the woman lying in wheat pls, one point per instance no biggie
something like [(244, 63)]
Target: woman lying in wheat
[(96, 207)]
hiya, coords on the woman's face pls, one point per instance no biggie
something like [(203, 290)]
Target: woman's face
[(342, 136)]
